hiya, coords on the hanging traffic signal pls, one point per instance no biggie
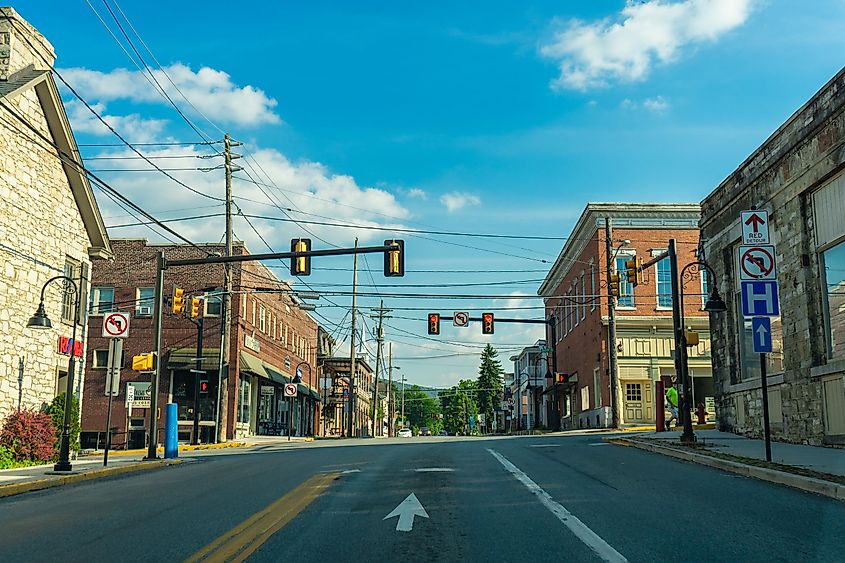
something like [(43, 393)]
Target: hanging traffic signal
[(560, 377), (196, 304), (394, 259), (300, 265), (178, 300), (434, 323), (633, 270), (203, 386), (487, 323), (614, 285), (144, 362)]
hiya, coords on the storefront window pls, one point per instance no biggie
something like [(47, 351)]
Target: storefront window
[(749, 359), (244, 395), (834, 272)]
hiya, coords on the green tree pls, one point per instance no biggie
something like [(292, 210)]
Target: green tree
[(421, 409), (458, 405), (56, 410), (490, 383)]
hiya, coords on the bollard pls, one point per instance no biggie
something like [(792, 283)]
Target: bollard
[(660, 412), (171, 431)]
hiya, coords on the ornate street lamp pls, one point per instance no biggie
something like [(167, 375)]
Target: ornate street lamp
[(40, 320)]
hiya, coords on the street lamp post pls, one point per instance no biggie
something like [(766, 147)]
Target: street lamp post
[(40, 320), (297, 380), (714, 304)]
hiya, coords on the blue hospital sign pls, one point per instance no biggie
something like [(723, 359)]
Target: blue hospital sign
[(761, 331), (760, 298)]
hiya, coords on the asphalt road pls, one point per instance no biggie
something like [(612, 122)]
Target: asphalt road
[(549, 498)]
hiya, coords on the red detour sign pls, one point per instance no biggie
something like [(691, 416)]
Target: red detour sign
[(116, 325), (757, 262), (290, 390)]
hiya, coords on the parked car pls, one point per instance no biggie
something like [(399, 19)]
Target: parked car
[(442, 433), (424, 431), (405, 433)]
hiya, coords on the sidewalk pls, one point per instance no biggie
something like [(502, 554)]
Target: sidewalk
[(810, 468)]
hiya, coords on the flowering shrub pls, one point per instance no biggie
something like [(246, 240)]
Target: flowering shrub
[(29, 435)]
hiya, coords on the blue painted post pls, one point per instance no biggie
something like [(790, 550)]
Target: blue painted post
[(171, 432)]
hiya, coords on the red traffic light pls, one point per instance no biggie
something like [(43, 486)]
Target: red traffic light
[(487, 323), (203, 386), (434, 323)]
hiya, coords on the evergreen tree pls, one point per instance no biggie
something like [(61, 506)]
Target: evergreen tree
[(489, 384)]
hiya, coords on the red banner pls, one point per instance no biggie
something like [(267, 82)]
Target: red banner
[(65, 345)]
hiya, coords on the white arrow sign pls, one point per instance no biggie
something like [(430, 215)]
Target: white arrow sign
[(762, 332), (406, 511)]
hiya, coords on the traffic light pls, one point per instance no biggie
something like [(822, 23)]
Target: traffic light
[(394, 259), (487, 323), (301, 265), (691, 338), (560, 378), (614, 284), (633, 271), (434, 323), (143, 362), (178, 300), (196, 304), (203, 386)]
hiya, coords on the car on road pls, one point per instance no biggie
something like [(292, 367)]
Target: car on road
[(424, 431), (405, 433)]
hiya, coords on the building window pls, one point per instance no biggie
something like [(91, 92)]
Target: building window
[(833, 262), (664, 284), (262, 319), (144, 301), (705, 286), (102, 301), (593, 286), (68, 297), (626, 289), (274, 327), (585, 398), (583, 296), (749, 359), (576, 304), (243, 306), (213, 306), (286, 335), (101, 359), (597, 387), (244, 396), (633, 391), (254, 310)]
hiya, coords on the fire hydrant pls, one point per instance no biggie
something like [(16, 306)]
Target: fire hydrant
[(702, 414)]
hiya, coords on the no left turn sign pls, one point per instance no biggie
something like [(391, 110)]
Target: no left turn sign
[(460, 318), (116, 325), (290, 390), (757, 262)]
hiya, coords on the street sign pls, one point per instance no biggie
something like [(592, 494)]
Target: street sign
[(757, 262), (140, 394), (761, 331), (460, 318), (116, 325), (755, 227), (760, 298), (290, 389), (114, 364)]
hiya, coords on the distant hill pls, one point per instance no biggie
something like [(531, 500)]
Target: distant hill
[(430, 391)]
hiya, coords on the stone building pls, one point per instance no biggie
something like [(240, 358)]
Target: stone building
[(271, 339), (797, 176), (575, 291), (337, 414), (49, 222)]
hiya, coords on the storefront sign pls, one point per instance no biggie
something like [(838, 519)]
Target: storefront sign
[(251, 343), (140, 394), (65, 344), (268, 390)]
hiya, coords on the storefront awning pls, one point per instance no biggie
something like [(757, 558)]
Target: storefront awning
[(185, 358), (276, 375), (253, 365)]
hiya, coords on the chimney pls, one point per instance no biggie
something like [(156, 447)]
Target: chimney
[(21, 46)]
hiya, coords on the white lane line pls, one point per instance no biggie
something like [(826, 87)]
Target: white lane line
[(599, 444), (592, 540), (348, 471), (432, 470), (544, 446)]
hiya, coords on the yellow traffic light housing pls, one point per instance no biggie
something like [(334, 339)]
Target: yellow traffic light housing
[(434, 323), (394, 258), (196, 307), (633, 271), (691, 338), (178, 300), (300, 265), (144, 362), (614, 284), (487, 323)]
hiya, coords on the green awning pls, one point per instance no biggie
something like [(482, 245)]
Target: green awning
[(253, 365), (276, 375), (185, 358), (315, 394)]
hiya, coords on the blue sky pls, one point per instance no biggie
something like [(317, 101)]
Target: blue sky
[(503, 117)]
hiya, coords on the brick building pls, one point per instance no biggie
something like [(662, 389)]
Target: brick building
[(270, 338), (575, 291), (337, 405), (49, 223), (798, 176)]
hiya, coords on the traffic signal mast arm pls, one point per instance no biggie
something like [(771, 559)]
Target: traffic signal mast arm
[(278, 255)]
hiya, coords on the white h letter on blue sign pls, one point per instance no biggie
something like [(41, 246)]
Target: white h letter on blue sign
[(760, 299)]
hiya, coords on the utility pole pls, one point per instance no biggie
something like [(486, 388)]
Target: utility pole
[(352, 400), (198, 371), (390, 398), (403, 401), (379, 339), (611, 327)]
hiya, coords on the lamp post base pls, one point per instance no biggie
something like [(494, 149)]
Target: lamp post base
[(63, 467), (688, 438)]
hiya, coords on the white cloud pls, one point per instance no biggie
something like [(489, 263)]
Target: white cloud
[(211, 91), (417, 193), (458, 200), (592, 55), (658, 104), (132, 127)]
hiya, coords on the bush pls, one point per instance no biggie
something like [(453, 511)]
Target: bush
[(57, 411), (29, 435)]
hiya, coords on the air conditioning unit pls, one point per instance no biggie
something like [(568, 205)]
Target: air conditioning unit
[(145, 311)]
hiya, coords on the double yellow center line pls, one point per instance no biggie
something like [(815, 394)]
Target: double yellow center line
[(241, 541)]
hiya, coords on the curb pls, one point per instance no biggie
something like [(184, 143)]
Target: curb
[(807, 484), (18, 488), (183, 448)]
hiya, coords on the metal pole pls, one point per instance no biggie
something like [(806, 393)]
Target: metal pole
[(765, 390), (290, 417), (613, 366), (379, 340), (114, 364), (108, 433), (195, 435), (390, 398), (159, 304), (352, 402), (64, 450), (688, 436), (403, 401), (220, 358)]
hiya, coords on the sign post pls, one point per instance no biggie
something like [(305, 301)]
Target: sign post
[(290, 393), (115, 328), (759, 292)]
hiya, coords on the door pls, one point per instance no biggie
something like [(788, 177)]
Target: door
[(638, 401), (834, 406)]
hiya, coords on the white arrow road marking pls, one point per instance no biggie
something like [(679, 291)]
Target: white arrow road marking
[(761, 332), (581, 531), (406, 511)]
